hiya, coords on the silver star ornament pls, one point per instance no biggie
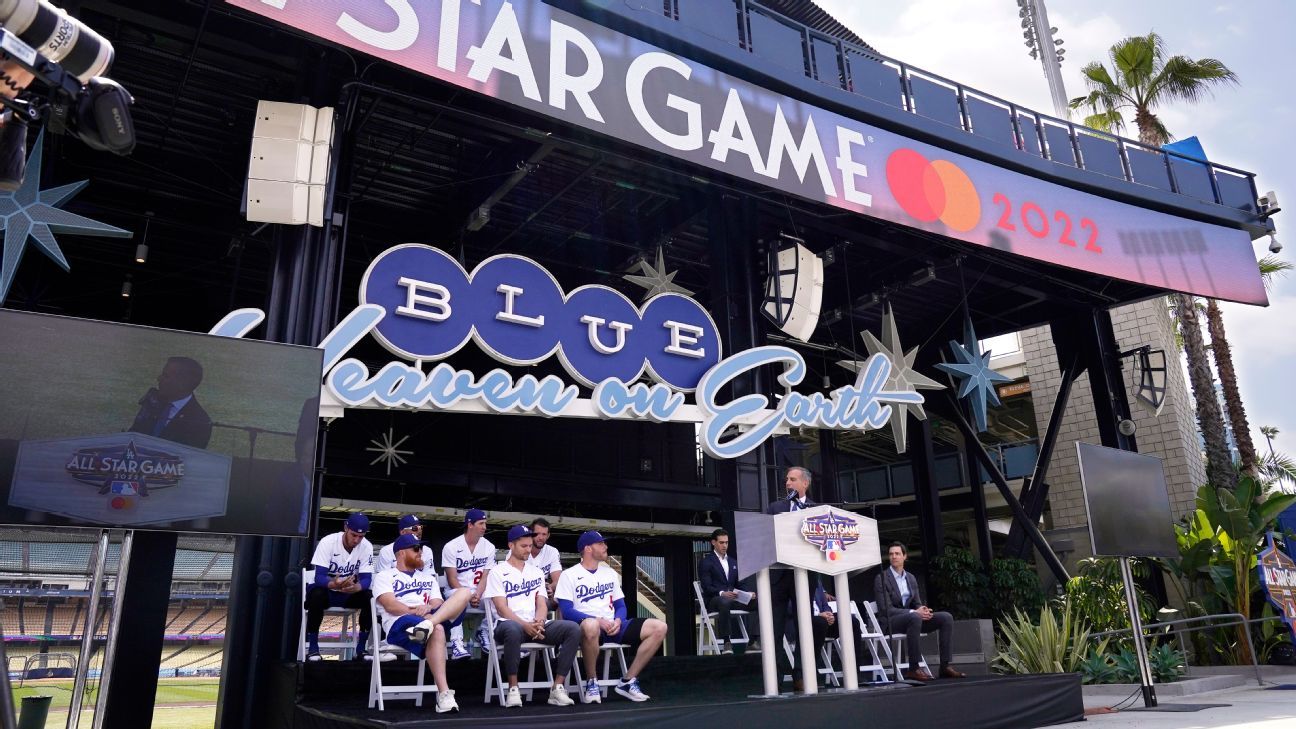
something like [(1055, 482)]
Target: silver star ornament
[(30, 212), (972, 368), (388, 450), (903, 378), (655, 279)]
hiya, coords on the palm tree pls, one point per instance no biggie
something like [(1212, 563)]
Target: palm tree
[(1270, 267), (1269, 432), (1145, 78)]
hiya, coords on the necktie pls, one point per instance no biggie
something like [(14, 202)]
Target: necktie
[(163, 419)]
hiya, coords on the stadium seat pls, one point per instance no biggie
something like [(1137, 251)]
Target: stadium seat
[(708, 644), (378, 692), (899, 661), (344, 646)]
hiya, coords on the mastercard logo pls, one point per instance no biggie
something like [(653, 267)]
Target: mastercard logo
[(931, 190)]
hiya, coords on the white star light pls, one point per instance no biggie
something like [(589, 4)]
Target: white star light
[(389, 451), (30, 212), (655, 279), (903, 376)]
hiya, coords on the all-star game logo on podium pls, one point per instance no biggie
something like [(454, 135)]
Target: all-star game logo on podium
[(1278, 580), (125, 473), (831, 533)]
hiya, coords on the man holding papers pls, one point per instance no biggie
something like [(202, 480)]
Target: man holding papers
[(718, 575)]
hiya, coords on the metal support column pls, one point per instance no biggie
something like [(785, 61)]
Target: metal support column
[(110, 652), (926, 496), (87, 638)]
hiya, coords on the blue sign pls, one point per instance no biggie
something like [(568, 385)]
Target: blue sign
[(517, 312), (1278, 580)]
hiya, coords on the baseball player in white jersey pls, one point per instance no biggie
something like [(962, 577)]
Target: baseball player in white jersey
[(409, 524), (413, 614), (515, 589), (342, 579), (545, 557), (590, 594), (467, 560)]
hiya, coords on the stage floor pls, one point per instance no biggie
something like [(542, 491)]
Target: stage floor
[(700, 691)]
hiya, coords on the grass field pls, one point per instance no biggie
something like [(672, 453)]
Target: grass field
[(182, 703)]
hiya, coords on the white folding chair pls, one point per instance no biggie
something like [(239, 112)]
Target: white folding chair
[(378, 691), (899, 661), (495, 682), (825, 668), (874, 640), (344, 646), (708, 643)]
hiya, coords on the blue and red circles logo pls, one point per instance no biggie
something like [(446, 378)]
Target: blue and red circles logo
[(517, 312), (931, 190)]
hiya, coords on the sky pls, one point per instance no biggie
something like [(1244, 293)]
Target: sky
[(979, 43)]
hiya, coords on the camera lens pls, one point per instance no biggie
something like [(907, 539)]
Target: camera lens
[(59, 37)]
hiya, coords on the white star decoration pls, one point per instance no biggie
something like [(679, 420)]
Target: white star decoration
[(904, 378), (30, 212), (973, 368), (389, 451), (655, 279)]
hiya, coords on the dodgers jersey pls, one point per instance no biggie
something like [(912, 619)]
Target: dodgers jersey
[(331, 555), (518, 587), (468, 564), (547, 560), (592, 593), (386, 559), (412, 589)]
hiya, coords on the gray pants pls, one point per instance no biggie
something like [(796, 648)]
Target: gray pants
[(911, 624), (563, 634)]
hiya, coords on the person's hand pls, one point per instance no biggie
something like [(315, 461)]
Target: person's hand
[(18, 75), (475, 600), (729, 595), (830, 598), (829, 617), (925, 612), (420, 611)]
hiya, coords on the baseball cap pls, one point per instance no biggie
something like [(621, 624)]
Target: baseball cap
[(588, 538), (474, 515), (406, 541), (409, 521), (358, 522), (519, 531)]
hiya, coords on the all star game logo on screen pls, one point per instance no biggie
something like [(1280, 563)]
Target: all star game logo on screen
[(831, 533), (125, 473)]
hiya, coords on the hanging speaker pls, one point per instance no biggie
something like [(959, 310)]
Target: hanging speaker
[(1150, 365), (794, 289)]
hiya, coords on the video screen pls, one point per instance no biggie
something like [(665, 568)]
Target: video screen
[(105, 424), (1129, 507)]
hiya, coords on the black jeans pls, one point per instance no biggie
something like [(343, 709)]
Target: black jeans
[(319, 599), (782, 604), (724, 607)]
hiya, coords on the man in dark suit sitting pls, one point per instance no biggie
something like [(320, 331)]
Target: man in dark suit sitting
[(902, 610), (718, 575), (782, 584), (170, 411)]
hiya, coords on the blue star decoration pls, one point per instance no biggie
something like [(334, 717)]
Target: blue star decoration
[(972, 368), (30, 212)]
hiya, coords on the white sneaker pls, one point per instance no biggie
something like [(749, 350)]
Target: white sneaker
[(483, 640), (558, 697), (592, 695), (420, 633), (446, 701), (386, 657), (512, 698), (314, 656), (459, 651), (630, 690)]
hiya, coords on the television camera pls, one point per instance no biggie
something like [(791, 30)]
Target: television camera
[(42, 43)]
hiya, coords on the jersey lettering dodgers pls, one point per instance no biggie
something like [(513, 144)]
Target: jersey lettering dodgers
[(419, 588), (548, 560), (467, 564), (518, 587), (341, 563), (592, 593)]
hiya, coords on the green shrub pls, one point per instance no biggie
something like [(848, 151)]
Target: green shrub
[(1097, 668), (1053, 645), (1167, 663)]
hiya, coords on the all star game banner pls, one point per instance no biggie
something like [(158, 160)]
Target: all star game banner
[(550, 62)]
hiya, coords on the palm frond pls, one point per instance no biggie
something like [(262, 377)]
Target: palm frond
[(1183, 79), (1105, 121), (1272, 267)]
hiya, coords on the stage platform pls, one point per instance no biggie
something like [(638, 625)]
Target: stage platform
[(693, 691)]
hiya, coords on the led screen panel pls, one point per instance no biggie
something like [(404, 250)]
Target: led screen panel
[(1128, 505)]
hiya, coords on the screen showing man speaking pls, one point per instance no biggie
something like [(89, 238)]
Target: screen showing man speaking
[(117, 425)]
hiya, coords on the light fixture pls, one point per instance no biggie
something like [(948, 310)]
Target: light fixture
[(141, 250), (126, 287)]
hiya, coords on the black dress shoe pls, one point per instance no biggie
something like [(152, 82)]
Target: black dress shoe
[(798, 686), (13, 152)]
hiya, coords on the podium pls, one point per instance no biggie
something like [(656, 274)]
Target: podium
[(822, 539)]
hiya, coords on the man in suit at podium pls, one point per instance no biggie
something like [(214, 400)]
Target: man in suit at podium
[(782, 584), (718, 575), (903, 611), (170, 411)]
